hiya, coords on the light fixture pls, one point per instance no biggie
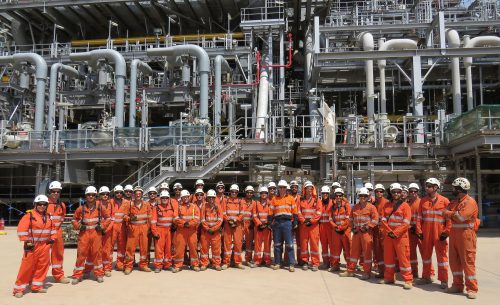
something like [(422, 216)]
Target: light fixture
[(113, 23)]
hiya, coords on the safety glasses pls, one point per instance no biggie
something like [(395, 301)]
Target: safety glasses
[(363, 196), (396, 192), (55, 192), (429, 186), (104, 194), (220, 187), (340, 195), (413, 192), (234, 192), (379, 192), (42, 204), (89, 195), (199, 195)]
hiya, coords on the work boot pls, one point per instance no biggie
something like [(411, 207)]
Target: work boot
[(175, 270), (324, 266), (252, 265), (240, 266), (196, 268), (305, 267), (224, 267), (365, 276), (346, 274), (380, 275), (407, 285), (275, 267), (43, 290), (314, 268), (291, 269), (218, 268), (75, 281), (119, 268), (424, 281), (359, 268), (333, 269), (63, 280), (385, 282), (107, 273), (86, 276), (471, 295), (100, 279), (127, 271), (19, 295), (453, 289), (443, 285), (157, 270), (146, 269), (415, 275), (203, 268)]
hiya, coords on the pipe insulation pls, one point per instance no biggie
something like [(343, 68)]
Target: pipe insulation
[(135, 66), (365, 40), (54, 72), (453, 40), (220, 64)]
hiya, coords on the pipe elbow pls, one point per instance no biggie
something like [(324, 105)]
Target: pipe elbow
[(221, 62), (453, 38), (114, 56), (365, 40), (35, 59)]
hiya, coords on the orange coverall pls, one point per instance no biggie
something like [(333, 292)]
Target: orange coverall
[(211, 222), (378, 238), (309, 210), (414, 241), (339, 219), (233, 210), (137, 232), (325, 233), (247, 207), (107, 239), (463, 214), (396, 221), (57, 212), (431, 223), (162, 218), (297, 199), (188, 214), (262, 236), (37, 229), (119, 231)]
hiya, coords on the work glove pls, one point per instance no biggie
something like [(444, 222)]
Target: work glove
[(261, 227), (443, 236), (420, 236), (28, 246), (157, 236), (355, 230), (173, 228), (50, 242), (99, 229), (133, 217), (210, 231), (295, 224), (364, 229), (186, 224), (308, 223), (413, 230), (82, 228), (339, 231), (391, 235)]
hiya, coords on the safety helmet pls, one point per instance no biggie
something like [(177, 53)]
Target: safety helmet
[(294, 183), (211, 193), (404, 188), (118, 188), (55, 185), (177, 186), (433, 181), (90, 190), (308, 184), (199, 191), (363, 191), (198, 182), (263, 189), (249, 188), (461, 182), (379, 187), (128, 187), (413, 186), (325, 189), (104, 189), (395, 186), (234, 187), (282, 183), (336, 185), (271, 184), (369, 186), (339, 190), (164, 194), (40, 198), (138, 188), (184, 193), (152, 190), (220, 183), (164, 185)]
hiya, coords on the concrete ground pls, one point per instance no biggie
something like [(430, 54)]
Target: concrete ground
[(250, 286)]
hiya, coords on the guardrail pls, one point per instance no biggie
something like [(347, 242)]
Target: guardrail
[(482, 119)]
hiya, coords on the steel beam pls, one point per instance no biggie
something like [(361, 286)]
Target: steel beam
[(54, 3)]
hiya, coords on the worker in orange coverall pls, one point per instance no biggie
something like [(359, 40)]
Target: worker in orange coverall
[(119, 229), (247, 206), (162, 218), (294, 192), (309, 213), (187, 227), (341, 233), (262, 253), (433, 229), (211, 224), (325, 229), (57, 212), (363, 219), (38, 233), (463, 212), (233, 229), (394, 224), (378, 239), (415, 242), (138, 219), (88, 219), (107, 239)]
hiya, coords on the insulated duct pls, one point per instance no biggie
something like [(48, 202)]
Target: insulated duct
[(365, 40), (135, 65), (220, 64), (454, 42), (54, 71)]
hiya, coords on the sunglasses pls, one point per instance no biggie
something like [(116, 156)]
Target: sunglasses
[(56, 192), (429, 185), (363, 196), (379, 191), (413, 191), (396, 192), (104, 194), (199, 195), (43, 204), (220, 187), (249, 192), (234, 192), (264, 193), (342, 196), (116, 193), (90, 195), (128, 191)]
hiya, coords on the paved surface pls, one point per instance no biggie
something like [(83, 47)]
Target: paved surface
[(250, 286)]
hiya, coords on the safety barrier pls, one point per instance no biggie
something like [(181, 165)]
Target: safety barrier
[(484, 119)]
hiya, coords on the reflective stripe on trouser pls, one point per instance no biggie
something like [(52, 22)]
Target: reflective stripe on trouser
[(137, 235), (233, 235), (182, 237), (107, 251), (398, 248), (378, 249), (163, 248), (249, 238), (362, 245), (414, 244), (282, 233), (463, 259), (119, 238), (428, 244), (309, 244), (210, 241), (57, 255), (34, 268), (326, 239), (88, 254), (341, 242), (262, 243)]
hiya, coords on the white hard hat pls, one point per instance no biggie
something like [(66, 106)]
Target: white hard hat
[(433, 181), (294, 183), (164, 194), (40, 198), (395, 186), (282, 183), (234, 187), (211, 193), (369, 186), (404, 188), (263, 189), (199, 181), (164, 185), (308, 184), (104, 189), (138, 189), (335, 185), (339, 190), (413, 186), (90, 190), (363, 191), (184, 193), (118, 188), (152, 190), (199, 191), (128, 187), (177, 186), (55, 185), (379, 187), (461, 182), (249, 188), (325, 189), (271, 184), (220, 183)]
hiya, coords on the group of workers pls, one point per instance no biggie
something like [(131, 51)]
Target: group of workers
[(212, 228)]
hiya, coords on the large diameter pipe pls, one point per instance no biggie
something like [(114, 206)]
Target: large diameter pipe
[(262, 105), (120, 74), (454, 42), (135, 65), (481, 41), (54, 71), (220, 64), (365, 39), (203, 69)]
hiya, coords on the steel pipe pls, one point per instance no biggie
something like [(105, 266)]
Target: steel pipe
[(143, 67)]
